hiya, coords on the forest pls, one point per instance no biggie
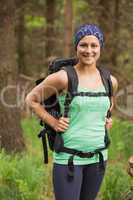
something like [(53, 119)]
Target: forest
[(32, 34)]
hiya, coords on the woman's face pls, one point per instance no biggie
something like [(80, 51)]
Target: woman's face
[(88, 50)]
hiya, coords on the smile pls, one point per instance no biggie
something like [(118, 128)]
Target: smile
[(88, 57)]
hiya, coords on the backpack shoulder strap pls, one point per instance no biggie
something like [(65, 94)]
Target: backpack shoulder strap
[(106, 78), (72, 79), (72, 87)]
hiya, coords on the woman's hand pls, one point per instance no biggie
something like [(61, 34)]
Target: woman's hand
[(61, 124), (108, 123)]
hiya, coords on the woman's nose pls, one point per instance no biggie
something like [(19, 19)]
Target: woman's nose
[(88, 49)]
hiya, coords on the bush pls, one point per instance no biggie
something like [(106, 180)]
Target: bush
[(24, 176), (116, 182), (121, 140), (21, 177)]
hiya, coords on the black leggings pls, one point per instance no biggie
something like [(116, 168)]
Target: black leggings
[(85, 185)]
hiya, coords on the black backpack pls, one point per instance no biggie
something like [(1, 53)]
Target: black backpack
[(52, 106)]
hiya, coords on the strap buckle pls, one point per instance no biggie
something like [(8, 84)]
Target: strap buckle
[(85, 154)]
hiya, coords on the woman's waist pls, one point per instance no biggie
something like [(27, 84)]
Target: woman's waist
[(85, 131), (84, 142)]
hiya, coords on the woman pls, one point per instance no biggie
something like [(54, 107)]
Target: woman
[(85, 128)]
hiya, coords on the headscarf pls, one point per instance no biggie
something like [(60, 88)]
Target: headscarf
[(88, 29)]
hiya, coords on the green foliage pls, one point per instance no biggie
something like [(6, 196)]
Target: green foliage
[(34, 22), (84, 8), (121, 136), (24, 176), (116, 182), (21, 177), (9, 193), (31, 128)]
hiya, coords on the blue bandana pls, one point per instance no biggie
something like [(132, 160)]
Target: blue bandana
[(88, 29)]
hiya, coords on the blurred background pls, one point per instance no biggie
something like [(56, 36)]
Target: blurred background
[(32, 34)]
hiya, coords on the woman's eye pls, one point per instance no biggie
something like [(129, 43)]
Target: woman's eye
[(94, 45), (83, 45)]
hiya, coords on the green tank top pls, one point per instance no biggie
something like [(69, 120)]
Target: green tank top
[(86, 128)]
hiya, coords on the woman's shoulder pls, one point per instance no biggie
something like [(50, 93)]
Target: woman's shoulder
[(114, 83), (58, 79)]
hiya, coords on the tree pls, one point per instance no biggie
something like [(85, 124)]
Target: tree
[(104, 15), (20, 31), (68, 14), (116, 22), (50, 17), (11, 138)]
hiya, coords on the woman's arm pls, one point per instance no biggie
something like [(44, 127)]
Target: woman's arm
[(115, 85), (115, 88), (51, 85)]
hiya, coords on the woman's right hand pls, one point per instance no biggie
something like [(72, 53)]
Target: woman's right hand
[(61, 124)]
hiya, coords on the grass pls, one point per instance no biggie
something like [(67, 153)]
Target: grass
[(117, 182), (25, 177)]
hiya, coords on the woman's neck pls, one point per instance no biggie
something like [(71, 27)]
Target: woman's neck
[(86, 69)]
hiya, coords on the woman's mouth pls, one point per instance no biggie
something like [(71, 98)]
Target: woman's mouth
[(88, 57)]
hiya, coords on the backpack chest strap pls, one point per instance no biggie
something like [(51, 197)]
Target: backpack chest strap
[(69, 98), (90, 94)]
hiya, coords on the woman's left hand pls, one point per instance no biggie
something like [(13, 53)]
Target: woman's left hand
[(108, 123)]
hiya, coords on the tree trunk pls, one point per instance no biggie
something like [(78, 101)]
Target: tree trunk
[(116, 32), (10, 130), (109, 21), (106, 24), (50, 36), (68, 14), (20, 31)]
